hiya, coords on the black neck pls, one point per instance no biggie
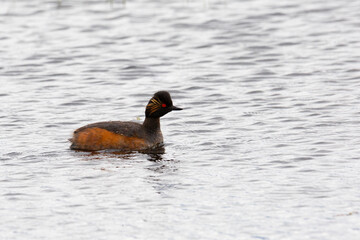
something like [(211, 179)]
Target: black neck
[(152, 124)]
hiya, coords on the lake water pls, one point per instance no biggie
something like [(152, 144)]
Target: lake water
[(266, 148)]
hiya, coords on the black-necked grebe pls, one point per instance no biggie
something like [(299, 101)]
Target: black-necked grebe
[(126, 135)]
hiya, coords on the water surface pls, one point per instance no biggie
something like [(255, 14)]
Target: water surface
[(267, 148)]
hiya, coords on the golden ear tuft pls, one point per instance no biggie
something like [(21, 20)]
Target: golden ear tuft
[(153, 105)]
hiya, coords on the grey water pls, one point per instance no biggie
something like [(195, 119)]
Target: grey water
[(266, 148)]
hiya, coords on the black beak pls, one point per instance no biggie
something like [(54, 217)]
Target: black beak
[(176, 108)]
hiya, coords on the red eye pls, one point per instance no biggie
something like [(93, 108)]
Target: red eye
[(163, 105)]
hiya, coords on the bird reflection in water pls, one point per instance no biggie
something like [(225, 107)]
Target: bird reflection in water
[(154, 154)]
